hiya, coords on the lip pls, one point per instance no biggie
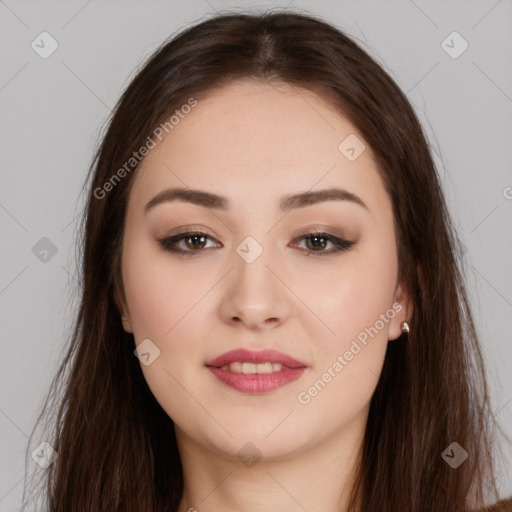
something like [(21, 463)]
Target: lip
[(255, 383), (249, 356)]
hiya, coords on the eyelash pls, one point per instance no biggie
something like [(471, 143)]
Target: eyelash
[(168, 244)]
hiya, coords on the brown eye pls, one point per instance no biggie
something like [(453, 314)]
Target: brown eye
[(195, 241), (317, 242), (185, 242)]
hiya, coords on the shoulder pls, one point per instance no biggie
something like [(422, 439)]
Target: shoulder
[(500, 506)]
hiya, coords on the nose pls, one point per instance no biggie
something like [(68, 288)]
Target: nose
[(254, 295)]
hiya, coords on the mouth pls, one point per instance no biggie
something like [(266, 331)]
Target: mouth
[(255, 372)]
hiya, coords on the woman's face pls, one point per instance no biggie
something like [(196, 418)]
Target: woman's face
[(259, 157)]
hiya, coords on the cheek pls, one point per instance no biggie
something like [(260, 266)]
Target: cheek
[(349, 296), (158, 292), (163, 306), (343, 380), (356, 302)]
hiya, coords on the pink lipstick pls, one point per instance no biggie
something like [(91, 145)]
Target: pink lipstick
[(255, 372)]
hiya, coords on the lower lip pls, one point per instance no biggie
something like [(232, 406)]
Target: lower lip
[(257, 383)]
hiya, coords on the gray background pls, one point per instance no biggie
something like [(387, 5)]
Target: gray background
[(52, 110)]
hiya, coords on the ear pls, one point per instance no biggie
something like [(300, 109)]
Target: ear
[(404, 307), (123, 308)]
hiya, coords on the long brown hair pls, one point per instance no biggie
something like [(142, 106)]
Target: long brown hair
[(116, 445)]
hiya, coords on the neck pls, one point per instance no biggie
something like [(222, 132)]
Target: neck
[(319, 479)]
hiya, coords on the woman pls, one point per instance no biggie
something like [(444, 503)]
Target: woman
[(317, 352)]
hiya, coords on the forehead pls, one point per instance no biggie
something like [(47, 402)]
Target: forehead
[(260, 139), (250, 121)]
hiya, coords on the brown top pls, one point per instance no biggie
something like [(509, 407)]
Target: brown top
[(500, 506)]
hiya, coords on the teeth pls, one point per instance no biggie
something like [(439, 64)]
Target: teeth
[(236, 367), (240, 367)]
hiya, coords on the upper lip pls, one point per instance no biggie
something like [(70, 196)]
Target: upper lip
[(262, 356)]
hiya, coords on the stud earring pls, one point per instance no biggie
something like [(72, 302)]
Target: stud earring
[(405, 327)]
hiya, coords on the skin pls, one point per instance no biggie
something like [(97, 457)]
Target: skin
[(252, 143)]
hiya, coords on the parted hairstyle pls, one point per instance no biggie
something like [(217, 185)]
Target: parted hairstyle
[(116, 445)]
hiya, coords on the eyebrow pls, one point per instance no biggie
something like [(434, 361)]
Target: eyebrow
[(286, 203)]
